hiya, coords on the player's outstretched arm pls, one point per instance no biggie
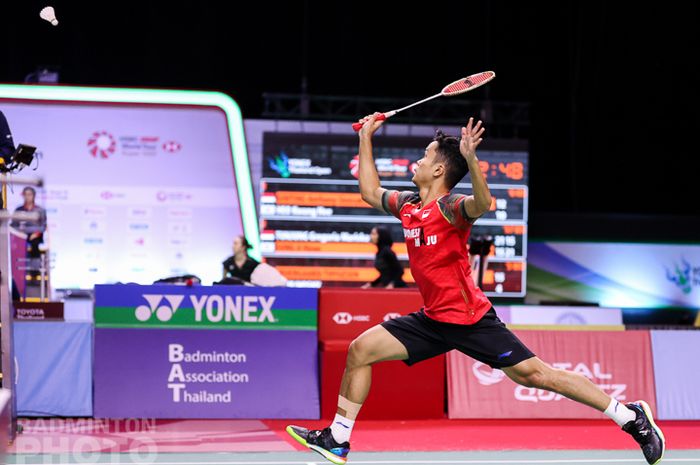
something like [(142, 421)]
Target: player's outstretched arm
[(370, 189), (480, 201)]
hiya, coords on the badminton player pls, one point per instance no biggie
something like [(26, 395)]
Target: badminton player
[(456, 315)]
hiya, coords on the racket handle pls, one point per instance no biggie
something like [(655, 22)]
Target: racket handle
[(357, 126)]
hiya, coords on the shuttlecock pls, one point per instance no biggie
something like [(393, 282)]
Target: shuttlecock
[(49, 15)]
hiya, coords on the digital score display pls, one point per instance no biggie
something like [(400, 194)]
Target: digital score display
[(315, 227)]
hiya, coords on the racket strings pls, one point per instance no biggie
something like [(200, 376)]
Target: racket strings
[(467, 83)]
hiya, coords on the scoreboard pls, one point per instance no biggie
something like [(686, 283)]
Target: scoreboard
[(315, 227)]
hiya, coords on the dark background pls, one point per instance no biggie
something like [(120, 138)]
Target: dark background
[(613, 87)]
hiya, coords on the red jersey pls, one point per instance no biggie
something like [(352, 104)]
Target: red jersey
[(436, 238)]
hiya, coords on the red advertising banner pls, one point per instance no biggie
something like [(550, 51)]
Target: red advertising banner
[(346, 313), (343, 314), (619, 362), (394, 386)]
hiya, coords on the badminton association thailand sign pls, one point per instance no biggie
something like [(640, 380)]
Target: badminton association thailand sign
[(205, 352)]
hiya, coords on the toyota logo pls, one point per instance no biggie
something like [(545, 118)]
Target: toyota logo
[(342, 318)]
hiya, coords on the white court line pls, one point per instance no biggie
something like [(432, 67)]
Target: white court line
[(383, 462)]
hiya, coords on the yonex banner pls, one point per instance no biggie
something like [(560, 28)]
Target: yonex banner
[(677, 373), (619, 362), (205, 352), (205, 307)]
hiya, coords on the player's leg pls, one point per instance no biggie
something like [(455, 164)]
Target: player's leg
[(634, 418), (374, 345), (410, 338), (533, 372), (490, 342)]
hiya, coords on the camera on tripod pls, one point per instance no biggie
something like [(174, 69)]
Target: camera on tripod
[(22, 156)]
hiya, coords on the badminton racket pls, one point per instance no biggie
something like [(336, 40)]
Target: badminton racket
[(458, 87)]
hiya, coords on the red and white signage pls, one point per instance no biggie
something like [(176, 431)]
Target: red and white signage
[(344, 313), (619, 362)]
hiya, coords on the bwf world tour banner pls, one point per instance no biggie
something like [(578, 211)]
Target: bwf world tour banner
[(205, 352), (615, 274), (138, 184), (618, 362)]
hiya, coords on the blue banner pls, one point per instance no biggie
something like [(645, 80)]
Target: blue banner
[(54, 368), (677, 374)]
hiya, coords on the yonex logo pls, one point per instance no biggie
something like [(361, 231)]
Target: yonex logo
[(342, 318), (209, 308), (391, 316), (487, 375), (162, 312)]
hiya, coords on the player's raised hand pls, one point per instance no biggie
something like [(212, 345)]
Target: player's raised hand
[(370, 124), (471, 138)]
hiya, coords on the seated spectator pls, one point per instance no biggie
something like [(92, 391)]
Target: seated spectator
[(239, 266), (241, 269)]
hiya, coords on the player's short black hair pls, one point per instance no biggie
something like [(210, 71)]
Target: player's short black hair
[(448, 153), (384, 239), (245, 242), (30, 189)]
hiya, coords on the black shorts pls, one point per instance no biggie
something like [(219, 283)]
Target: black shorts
[(488, 340)]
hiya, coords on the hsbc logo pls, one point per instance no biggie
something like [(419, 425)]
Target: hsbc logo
[(172, 146), (342, 318), (391, 316), (345, 318)]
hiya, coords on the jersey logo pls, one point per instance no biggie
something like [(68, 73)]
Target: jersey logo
[(425, 214)]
